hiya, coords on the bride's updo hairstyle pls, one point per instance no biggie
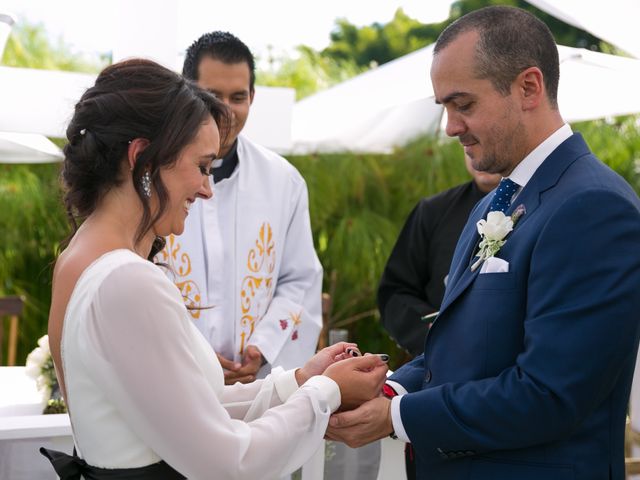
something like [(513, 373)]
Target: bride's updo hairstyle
[(132, 99)]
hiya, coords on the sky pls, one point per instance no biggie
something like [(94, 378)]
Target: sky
[(274, 26)]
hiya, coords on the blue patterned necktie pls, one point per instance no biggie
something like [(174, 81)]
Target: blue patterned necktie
[(502, 198)]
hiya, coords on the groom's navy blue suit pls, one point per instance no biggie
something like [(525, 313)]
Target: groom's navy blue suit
[(526, 374)]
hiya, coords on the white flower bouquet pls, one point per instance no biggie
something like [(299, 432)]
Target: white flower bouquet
[(40, 367)]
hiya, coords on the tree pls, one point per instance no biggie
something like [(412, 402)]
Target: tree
[(379, 43), (308, 73), (354, 49)]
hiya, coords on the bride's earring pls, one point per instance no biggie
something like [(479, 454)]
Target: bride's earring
[(146, 184)]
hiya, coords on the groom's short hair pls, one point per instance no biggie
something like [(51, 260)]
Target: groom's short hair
[(510, 41)]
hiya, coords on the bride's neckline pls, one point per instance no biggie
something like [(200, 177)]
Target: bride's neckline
[(92, 265)]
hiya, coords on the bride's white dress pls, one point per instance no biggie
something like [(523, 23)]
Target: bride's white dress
[(143, 385)]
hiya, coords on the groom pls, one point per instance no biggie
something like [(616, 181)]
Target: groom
[(527, 370)]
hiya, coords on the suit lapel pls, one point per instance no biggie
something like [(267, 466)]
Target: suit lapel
[(467, 243), (546, 177)]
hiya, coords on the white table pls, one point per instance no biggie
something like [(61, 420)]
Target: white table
[(18, 393), (23, 429)]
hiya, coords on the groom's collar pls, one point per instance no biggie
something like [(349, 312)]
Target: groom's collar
[(528, 166)]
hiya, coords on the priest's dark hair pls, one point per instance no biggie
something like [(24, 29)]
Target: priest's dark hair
[(510, 41), (222, 46), (136, 98)]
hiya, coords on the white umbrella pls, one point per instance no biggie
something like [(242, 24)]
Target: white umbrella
[(27, 148), (385, 107)]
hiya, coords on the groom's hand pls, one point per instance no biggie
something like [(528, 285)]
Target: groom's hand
[(367, 423)]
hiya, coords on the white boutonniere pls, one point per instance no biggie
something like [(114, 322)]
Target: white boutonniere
[(493, 231)]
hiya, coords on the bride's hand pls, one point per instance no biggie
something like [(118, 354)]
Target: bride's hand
[(360, 379), (325, 357)]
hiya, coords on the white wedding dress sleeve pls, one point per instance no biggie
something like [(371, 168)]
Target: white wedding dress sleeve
[(144, 385)]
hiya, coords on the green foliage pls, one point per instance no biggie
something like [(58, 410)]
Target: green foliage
[(32, 222), (358, 204), (29, 47), (379, 43), (308, 73), (616, 141)]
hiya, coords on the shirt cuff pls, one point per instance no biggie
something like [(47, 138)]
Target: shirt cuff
[(399, 389), (328, 388), (396, 419), (285, 382)]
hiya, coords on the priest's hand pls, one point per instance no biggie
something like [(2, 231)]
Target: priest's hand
[(228, 366), (245, 372), (367, 423), (317, 364)]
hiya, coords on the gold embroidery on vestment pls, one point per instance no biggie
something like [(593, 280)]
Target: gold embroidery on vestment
[(180, 264), (261, 262)]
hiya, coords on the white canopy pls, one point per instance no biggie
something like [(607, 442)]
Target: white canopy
[(371, 112), (385, 107), (41, 101), (615, 21), (18, 147), (27, 148)]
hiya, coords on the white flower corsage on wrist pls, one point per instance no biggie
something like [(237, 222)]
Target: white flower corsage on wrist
[(493, 231)]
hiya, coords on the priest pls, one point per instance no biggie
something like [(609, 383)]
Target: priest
[(246, 263)]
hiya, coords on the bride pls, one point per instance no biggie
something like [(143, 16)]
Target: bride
[(145, 391)]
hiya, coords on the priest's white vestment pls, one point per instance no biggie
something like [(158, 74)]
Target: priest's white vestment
[(246, 261)]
